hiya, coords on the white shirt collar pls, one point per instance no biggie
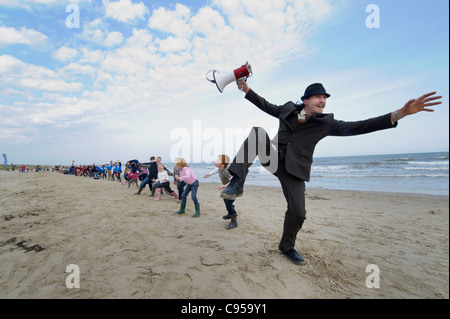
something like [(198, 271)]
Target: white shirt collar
[(302, 115)]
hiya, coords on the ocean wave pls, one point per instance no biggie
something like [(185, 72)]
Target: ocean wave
[(331, 167), (402, 159), (380, 176), (429, 163), (426, 168)]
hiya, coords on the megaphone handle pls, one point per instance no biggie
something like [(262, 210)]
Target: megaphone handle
[(211, 80), (243, 79)]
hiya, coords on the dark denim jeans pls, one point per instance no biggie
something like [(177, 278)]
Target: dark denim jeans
[(180, 187), (146, 181), (194, 188), (229, 205)]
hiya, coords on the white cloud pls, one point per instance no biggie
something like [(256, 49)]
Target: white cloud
[(96, 32), (49, 84), (143, 67), (174, 22), (77, 68), (21, 36), (115, 64), (159, 66), (140, 37), (65, 54), (16, 73), (9, 65), (207, 21), (24, 3), (17, 134), (113, 38), (13, 3), (91, 56), (172, 44), (124, 10), (92, 32), (29, 4)]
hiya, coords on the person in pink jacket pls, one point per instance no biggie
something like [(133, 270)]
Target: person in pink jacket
[(187, 176)]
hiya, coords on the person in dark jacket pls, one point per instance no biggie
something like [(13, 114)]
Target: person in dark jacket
[(152, 176), (289, 155), (152, 168)]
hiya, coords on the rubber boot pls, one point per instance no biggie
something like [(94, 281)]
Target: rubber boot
[(152, 192), (233, 223), (182, 208), (197, 211), (158, 194), (139, 190)]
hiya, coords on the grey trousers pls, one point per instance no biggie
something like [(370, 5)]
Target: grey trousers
[(259, 144)]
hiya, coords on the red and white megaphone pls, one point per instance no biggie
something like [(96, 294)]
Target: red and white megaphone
[(222, 80)]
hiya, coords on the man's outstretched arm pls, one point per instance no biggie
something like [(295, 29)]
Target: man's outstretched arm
[(422, 104), (257, 100)]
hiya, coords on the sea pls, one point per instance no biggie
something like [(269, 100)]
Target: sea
[(416, 173)]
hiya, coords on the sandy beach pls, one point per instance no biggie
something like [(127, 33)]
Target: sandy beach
[(129, 246)]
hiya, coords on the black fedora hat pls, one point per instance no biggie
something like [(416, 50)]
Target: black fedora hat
[(314, 89)]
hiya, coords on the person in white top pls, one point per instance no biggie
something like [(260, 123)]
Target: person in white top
[(163, 179)]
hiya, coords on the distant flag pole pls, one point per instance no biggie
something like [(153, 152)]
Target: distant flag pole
[(6, 160)]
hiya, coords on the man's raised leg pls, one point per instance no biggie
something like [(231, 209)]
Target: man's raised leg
[(258, 144)]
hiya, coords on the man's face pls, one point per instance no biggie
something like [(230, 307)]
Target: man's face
[(315, 104)]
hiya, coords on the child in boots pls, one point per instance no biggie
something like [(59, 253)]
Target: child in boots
[(163, 182), (187, 176), (225, 176)]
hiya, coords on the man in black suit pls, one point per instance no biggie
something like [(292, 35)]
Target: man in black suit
[(289, 156)]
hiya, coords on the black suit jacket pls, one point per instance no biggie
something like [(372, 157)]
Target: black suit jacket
[(299, 141)]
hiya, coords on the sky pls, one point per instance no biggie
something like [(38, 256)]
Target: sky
[(92, 81)]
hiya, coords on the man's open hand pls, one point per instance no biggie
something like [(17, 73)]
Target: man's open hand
[(421, 104)]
